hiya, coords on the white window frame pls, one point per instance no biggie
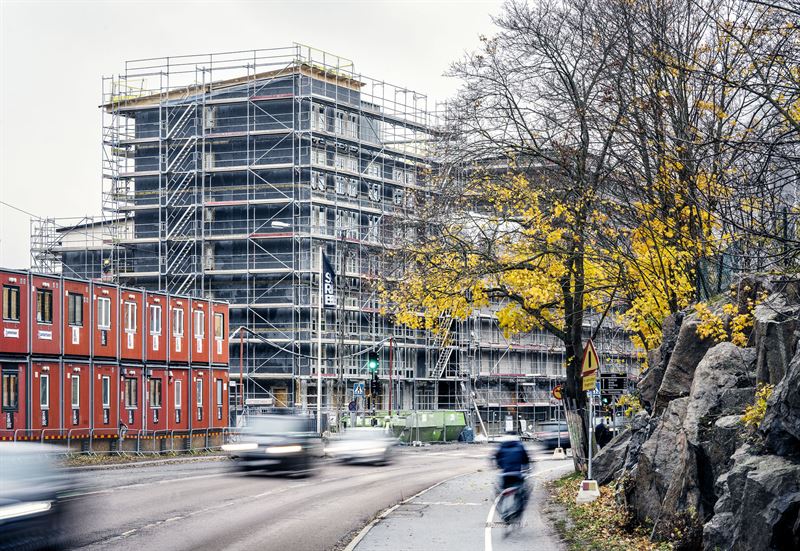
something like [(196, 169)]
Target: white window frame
[(103, 313), (130, 316), (177, 386), (105, 391), (134, 383), (221, 336), (201, 326), (352, 187), (318, 119), (75, 388), (177, 322), (44, 391), (341, 185), (219, 392), (155, 319), (198, 385)]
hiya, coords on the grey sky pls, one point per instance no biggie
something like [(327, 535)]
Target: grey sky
[(55, 53)]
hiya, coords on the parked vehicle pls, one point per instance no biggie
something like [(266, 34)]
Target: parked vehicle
[(34, 497), (278, 444), (362, 445), (547, 434)]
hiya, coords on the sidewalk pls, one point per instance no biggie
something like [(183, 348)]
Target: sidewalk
[(458, 514)]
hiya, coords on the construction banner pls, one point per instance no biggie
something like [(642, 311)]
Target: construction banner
[(591, 363), (328, 284)]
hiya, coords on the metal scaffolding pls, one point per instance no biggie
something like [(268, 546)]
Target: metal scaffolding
[(225, 173)]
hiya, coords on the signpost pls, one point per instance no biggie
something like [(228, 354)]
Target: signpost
[(558, 453), (358, 389), (589, 490)]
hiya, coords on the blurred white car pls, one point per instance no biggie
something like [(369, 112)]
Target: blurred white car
[(362, 445)]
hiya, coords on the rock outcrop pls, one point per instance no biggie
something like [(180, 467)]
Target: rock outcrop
[(759, 505), (776, 328), (781, 424), (658, 360), (679, 373)]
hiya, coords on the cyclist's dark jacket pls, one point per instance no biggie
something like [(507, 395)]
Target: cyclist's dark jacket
[(512, 457)]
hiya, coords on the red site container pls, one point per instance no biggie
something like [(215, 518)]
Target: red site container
[(156, 334), (76, 322), (46, 305), (14, 317), (105, 320), (200, 332), (179, 328), (132, 327)]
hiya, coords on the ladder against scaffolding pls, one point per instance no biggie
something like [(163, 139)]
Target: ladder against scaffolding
[(444, 342)]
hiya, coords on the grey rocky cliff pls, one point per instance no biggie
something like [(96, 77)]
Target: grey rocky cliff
[(776, 325)]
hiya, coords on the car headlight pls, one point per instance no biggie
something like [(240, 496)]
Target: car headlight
[(24, 509), (284, 449), (240, 447)]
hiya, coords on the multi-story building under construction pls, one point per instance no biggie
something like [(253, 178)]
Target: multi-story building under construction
[(224, 174)]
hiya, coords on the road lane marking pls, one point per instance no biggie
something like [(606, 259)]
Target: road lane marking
[(364, 531), (487, 531)]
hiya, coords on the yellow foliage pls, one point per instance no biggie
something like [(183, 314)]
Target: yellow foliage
[(754, 414)]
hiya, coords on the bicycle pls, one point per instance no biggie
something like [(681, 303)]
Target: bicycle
[(513, 500)]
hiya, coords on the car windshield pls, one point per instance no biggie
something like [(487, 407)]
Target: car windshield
[(361, 434), (279, 424)]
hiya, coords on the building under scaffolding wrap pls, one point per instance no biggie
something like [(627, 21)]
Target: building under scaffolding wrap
[(224, 174)]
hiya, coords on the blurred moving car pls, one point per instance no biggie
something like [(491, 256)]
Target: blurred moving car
[(362, 445), (547, 433), (34, 497), (277, 443)]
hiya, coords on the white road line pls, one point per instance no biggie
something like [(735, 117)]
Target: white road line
[(487, 531)]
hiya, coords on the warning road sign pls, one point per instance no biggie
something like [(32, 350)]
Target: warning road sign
[(557, 392), (591, 363)]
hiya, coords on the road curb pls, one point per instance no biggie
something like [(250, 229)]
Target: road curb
[(386, 512), (147, 463)]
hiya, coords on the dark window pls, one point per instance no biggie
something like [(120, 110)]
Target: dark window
[(155, 393), (11, 302), (131, 393), (44, 306), (10, 392), (75, 308), (219, 392), (76, 391), (106, 391)]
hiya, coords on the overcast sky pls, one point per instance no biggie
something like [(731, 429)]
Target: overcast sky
[(54, 54)]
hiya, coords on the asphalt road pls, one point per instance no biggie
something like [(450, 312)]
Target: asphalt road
[(204, 505)]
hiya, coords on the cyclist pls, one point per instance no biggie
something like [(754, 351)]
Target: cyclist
[(512, 458)]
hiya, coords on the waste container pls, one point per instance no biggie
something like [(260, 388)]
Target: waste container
[(467, 435)]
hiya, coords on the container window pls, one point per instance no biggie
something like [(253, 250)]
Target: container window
[(10, 396), (75, 309), (44, 391), (76, 391), (104, 313), (130, 317), (11, 302), (199, 387), (131, 392), (177, 322), (44, 306), (219, 326), (177, 386), (155, 319), (199, 324), (106, 382), (155, 393), (219, 392)]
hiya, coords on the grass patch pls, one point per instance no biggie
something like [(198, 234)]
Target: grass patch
[(602, 525)]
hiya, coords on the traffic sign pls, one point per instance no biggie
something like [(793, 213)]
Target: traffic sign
[(358, 389), (591, 363), (557, 392)]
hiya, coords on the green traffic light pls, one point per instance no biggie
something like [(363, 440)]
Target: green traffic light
[(372, 362)]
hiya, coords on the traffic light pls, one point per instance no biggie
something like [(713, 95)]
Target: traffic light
[(372, 362), (374, 385)]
